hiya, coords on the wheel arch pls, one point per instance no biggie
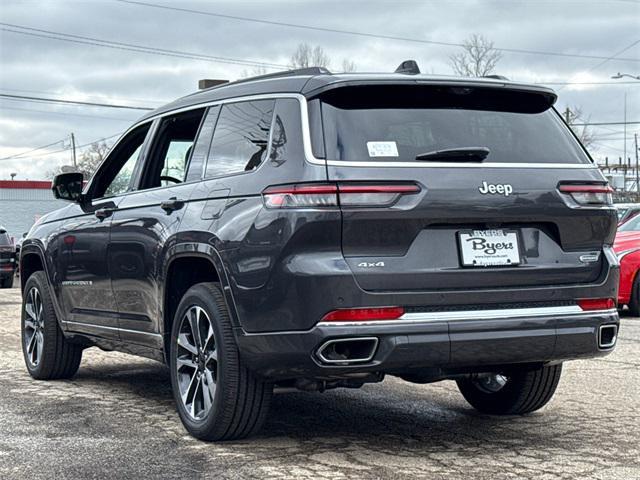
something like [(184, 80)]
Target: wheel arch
[(188, 265), (32, 259)]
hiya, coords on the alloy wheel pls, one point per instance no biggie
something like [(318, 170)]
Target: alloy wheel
[(33, 327), (197, 362)]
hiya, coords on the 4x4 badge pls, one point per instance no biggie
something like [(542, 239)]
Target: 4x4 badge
[(370, 264)]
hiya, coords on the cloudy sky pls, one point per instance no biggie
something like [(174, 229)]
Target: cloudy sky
[(55, 49)]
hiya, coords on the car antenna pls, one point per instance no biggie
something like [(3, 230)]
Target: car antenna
[(408, 67)]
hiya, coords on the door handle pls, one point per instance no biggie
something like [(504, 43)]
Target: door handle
[(103, 213), (171, 205)]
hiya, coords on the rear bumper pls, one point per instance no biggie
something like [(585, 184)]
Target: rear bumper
[(446, 340)]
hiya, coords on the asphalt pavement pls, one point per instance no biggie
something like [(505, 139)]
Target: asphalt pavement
[(117, 419)]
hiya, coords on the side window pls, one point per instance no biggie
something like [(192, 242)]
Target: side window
[(241, 137), (120, 184), (201, 147), (114, 177), (170, 153)]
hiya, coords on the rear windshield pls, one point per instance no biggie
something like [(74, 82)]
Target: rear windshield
[(387, 125)]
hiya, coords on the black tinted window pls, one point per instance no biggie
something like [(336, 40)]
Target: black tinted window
[(400, 126), (171, 150), (241, 137)]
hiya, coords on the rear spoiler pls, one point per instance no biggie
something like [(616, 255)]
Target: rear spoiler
[(427, 92)]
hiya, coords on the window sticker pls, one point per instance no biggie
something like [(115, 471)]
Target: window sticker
[(382, 149)]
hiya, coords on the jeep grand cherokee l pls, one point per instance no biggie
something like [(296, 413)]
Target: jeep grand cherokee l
[(309, 230)]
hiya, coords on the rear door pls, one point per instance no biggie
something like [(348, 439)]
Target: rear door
[(146, 222), (470, 222)]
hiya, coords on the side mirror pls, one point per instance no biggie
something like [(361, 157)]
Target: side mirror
[(68, 186)]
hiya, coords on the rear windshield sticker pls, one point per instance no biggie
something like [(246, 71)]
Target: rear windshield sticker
[(382, 149)]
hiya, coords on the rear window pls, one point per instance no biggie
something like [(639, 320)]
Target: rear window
[(390, 124)]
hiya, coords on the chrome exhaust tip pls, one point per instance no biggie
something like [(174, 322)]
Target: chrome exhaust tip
[(607, 336), (347, 351)]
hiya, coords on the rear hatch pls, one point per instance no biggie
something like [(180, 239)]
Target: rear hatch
[(490, 164)]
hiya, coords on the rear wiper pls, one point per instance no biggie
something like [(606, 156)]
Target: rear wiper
[(465, 154)]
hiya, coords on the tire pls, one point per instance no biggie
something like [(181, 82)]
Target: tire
[(634, 301), (525, 391), (51, 355), (212, 372), (6, 282)]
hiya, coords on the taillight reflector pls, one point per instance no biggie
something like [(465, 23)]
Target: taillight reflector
[(597, 303), (595, 194), (363, 314), (332, 195), (586, 188)]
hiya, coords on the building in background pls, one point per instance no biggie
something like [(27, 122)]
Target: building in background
[(22, 202)]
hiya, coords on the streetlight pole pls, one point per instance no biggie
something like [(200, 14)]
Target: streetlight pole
[(625, 128), (73, 150), (628, 160)]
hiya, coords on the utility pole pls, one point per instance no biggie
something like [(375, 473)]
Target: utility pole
[(635, 136), (73, 151), (567, 116), (625, 128)]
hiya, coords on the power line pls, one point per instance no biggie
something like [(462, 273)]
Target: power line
[(10, 157), (90, 95), (69, 102), (587, 83), (603, 123), (66, 149), (67, 37), (361, 34), (68, 114), (608, 146), (110, 105)]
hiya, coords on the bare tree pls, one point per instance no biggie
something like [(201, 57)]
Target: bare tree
[(348, 65), (307, 56), (477, 59), (254, 72), (88, 162), (574, 115)]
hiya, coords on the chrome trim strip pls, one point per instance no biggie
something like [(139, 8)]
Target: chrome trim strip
[(308, 151), (350, 361), (417, 164), (470, 315), (113, 329)]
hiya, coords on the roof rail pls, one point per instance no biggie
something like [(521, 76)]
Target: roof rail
[(284, 73), (496, 77)]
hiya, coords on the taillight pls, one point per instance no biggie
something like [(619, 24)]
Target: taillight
[(363, 314), (373, 195), (597, 303), (589, 194), (301, 196), (331, 195)]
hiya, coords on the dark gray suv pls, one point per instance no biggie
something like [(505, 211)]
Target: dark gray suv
[(308, 230)]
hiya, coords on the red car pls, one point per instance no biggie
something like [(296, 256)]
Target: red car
[(627, 248)]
